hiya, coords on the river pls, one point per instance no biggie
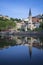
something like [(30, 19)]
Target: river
[(21, 50)]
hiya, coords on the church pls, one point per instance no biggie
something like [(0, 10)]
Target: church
[(30, 22)]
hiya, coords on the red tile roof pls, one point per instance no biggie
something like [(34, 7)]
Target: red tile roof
[(34, 19)]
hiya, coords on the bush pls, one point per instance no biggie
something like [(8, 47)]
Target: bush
[(6, 24)]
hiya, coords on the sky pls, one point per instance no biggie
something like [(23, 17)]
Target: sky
[(20, 8)]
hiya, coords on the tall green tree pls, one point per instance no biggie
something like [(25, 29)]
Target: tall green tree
[(41, 25)]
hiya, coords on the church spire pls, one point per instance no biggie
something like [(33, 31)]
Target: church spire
[(30, 12), (30, 20)]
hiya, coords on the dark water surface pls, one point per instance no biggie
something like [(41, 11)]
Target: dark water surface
[(16, 50)]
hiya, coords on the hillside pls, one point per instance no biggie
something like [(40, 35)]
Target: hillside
[(6, 22)]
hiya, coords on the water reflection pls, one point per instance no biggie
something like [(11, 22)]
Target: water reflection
[(21, 50), (6, 41)]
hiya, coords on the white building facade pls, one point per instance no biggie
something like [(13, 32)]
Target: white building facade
[(28, 23)]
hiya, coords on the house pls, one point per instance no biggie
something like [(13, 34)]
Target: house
[(4, 17), (33, 22), (30, 22)]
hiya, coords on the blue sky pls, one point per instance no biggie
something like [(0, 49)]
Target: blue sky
[(20, 8)]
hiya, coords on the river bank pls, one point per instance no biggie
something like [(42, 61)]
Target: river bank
[(32, 33)]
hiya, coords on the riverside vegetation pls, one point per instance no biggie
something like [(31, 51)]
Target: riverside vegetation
[(6, 24)]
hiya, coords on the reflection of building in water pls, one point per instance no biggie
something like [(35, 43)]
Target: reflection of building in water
[(30, 48), (30, 41), (30, 51), (27, 41)]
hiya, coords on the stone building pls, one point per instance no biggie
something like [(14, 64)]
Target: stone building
[(30, 22)]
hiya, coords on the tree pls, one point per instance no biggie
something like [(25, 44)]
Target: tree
[(6, 24), (12, 19), (41, 25)]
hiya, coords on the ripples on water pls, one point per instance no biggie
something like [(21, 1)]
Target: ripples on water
[(19, 50)]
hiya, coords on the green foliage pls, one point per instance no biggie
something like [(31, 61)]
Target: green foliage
[(12, 19), (18, 20), (20, 29), (41, 25), (37, 29), (28, 29), (6, 24), (7, 42)]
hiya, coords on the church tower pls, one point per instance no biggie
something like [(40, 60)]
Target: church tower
[(30, 12), (30, 20)]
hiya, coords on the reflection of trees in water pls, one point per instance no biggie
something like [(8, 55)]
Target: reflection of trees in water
[(41, 39), (35, 41), (5, 42), (21, 40)]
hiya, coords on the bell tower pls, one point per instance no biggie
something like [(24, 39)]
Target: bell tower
[(30, 20)]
